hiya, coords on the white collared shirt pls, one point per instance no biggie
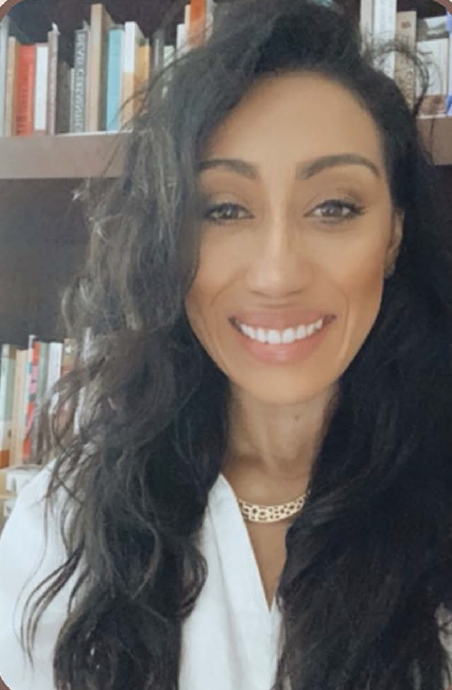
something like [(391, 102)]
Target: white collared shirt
[(230, 640)]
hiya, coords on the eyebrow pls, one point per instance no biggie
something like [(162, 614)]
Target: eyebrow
[(303, 171)]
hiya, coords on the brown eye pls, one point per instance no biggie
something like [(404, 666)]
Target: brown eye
[(333, 209), (222, 213)]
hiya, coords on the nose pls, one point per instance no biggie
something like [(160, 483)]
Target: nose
[(279, 265)]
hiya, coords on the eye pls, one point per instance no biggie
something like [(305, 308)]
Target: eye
[(334, 210), (222, 213)]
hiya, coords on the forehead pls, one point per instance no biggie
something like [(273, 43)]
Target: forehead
[(296, 116)]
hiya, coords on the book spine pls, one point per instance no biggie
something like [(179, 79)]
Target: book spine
[(30, 400), (80, 80), (436, 54), (40, 391), (18, 417), (101, 23), (63, 102), (25, 84), (158, 50), (52, 79), (449, 85), (384, 29), (41, 88), (114, 69), (197, 30), (366, 13), (10, 378), (5, 421), (54, 371), (133, 38), (404, 69), (4, 36), (10, 105)]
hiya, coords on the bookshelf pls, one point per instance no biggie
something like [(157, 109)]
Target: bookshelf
[(43, 250)]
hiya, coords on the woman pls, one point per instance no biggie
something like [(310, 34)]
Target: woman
[(259, 491)]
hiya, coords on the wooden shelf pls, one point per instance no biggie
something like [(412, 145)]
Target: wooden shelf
[(68, 156), (80, 156)]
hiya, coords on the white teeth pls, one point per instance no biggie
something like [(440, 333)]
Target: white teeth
[(261, 335), (289, 335), (274, 337)]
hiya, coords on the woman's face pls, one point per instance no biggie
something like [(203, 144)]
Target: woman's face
[(297, 228)]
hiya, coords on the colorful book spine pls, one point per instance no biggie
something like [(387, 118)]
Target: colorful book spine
[(197, 28), (114, 68), (7, 377), (25, 86), (30, 399)]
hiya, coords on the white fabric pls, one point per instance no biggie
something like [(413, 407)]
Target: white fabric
[(229, 642)]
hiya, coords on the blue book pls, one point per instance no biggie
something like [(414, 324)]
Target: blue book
[(114, 78)]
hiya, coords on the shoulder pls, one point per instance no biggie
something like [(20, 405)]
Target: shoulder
[(30, 550)]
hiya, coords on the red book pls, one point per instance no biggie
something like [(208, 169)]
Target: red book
[(197, 31), (25, 88)]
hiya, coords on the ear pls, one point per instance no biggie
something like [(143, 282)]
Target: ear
[(398, 218)]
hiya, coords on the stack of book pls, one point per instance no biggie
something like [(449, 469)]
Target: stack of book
[(431, 37), (26, 378), (42, 94)]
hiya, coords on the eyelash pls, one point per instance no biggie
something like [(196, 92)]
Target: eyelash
[(355, 210)]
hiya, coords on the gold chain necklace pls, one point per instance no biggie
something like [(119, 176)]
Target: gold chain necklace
[(256, 513)]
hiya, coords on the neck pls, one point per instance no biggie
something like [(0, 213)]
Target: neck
[(272, 450)]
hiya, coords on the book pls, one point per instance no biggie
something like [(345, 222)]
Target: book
[(436, 54), (158, 50), (78, 100), (65, 80), (24, 89), (10, 104), (4, 36), (101, 23), (114, 68), (133, 39), (197, 26), (404, 73), (30, 398), (366, 21), (18, 417), (41, 89), (52, 78), (7, 376), (384, 29)]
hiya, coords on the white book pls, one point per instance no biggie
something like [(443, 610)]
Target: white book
[(4, 35), (133, 38), (436, 56), (404, 68), (181, 40), (41, 88), (384, 29), (366, 19)]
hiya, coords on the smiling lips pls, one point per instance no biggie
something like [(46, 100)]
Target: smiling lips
[(282, 328)]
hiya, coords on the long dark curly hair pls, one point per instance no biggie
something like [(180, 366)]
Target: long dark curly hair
[(369, 560)]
